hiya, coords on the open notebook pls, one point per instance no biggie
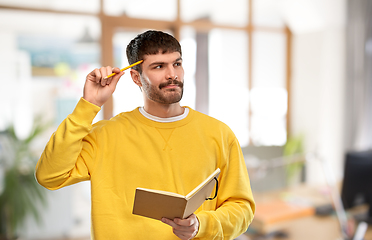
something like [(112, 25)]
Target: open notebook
[(158, 204)]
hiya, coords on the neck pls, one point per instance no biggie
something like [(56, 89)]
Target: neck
[(163, 110)]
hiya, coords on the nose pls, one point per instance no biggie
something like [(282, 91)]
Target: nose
[(171, 73)]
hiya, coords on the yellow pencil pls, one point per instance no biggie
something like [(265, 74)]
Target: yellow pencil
[(132, 65)]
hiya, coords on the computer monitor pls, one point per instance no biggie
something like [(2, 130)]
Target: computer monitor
[(357, 183)]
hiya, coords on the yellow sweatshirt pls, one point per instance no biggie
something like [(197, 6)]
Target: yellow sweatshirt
[(131, 151)]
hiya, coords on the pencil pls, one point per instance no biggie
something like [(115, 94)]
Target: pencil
[(132, 65)]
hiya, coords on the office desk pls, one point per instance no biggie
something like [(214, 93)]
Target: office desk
[(310, 227)]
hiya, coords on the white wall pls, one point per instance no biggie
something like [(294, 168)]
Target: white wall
[(318, 81)]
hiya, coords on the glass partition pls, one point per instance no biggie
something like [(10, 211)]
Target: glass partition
[(228, 84)]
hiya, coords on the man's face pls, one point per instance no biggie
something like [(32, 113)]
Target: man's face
[(162, 77)]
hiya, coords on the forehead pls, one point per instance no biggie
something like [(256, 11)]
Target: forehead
[(161, 57)]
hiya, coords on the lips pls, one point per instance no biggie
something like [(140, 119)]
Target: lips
[(171, 84)]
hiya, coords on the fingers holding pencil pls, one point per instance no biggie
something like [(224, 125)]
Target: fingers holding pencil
[(115, 72), (104, 71), (132, 65), (97, 89), (96, 76)]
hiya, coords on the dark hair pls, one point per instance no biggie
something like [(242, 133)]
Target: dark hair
[(149, 43)]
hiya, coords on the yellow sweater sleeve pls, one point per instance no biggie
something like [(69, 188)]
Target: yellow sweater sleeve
[(235, 204), (66, 157)]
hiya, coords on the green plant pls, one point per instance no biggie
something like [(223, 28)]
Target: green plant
[(293, 151), (20, 193)]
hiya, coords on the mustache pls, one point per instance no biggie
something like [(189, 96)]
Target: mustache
[(171, 82)]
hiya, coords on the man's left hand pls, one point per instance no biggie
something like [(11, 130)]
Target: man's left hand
[(185, 229)]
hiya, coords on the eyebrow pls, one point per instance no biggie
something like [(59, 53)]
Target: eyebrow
[(159, 63)]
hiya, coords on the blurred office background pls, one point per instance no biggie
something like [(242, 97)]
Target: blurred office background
[(276, 71)]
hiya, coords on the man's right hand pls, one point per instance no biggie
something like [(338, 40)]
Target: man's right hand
[(98, 90)]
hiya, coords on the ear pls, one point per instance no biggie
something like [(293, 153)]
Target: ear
[(136, 77)]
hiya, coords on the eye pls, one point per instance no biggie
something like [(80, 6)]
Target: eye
[(158, 66), (178, 64)]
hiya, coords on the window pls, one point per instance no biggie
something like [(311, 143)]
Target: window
[(246, 61), (268, 93), (47, 65), (228, 84)]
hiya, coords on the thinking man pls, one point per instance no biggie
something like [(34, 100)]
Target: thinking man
[(161, 145)]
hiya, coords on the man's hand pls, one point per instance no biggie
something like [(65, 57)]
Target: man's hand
[(184, 228), (98, 90)]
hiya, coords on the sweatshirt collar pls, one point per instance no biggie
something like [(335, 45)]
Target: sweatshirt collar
[(164, 120), (184, 119)]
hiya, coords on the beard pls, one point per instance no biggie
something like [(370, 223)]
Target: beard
[(167, 96)]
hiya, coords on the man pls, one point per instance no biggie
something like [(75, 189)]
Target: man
[(159, 146)]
